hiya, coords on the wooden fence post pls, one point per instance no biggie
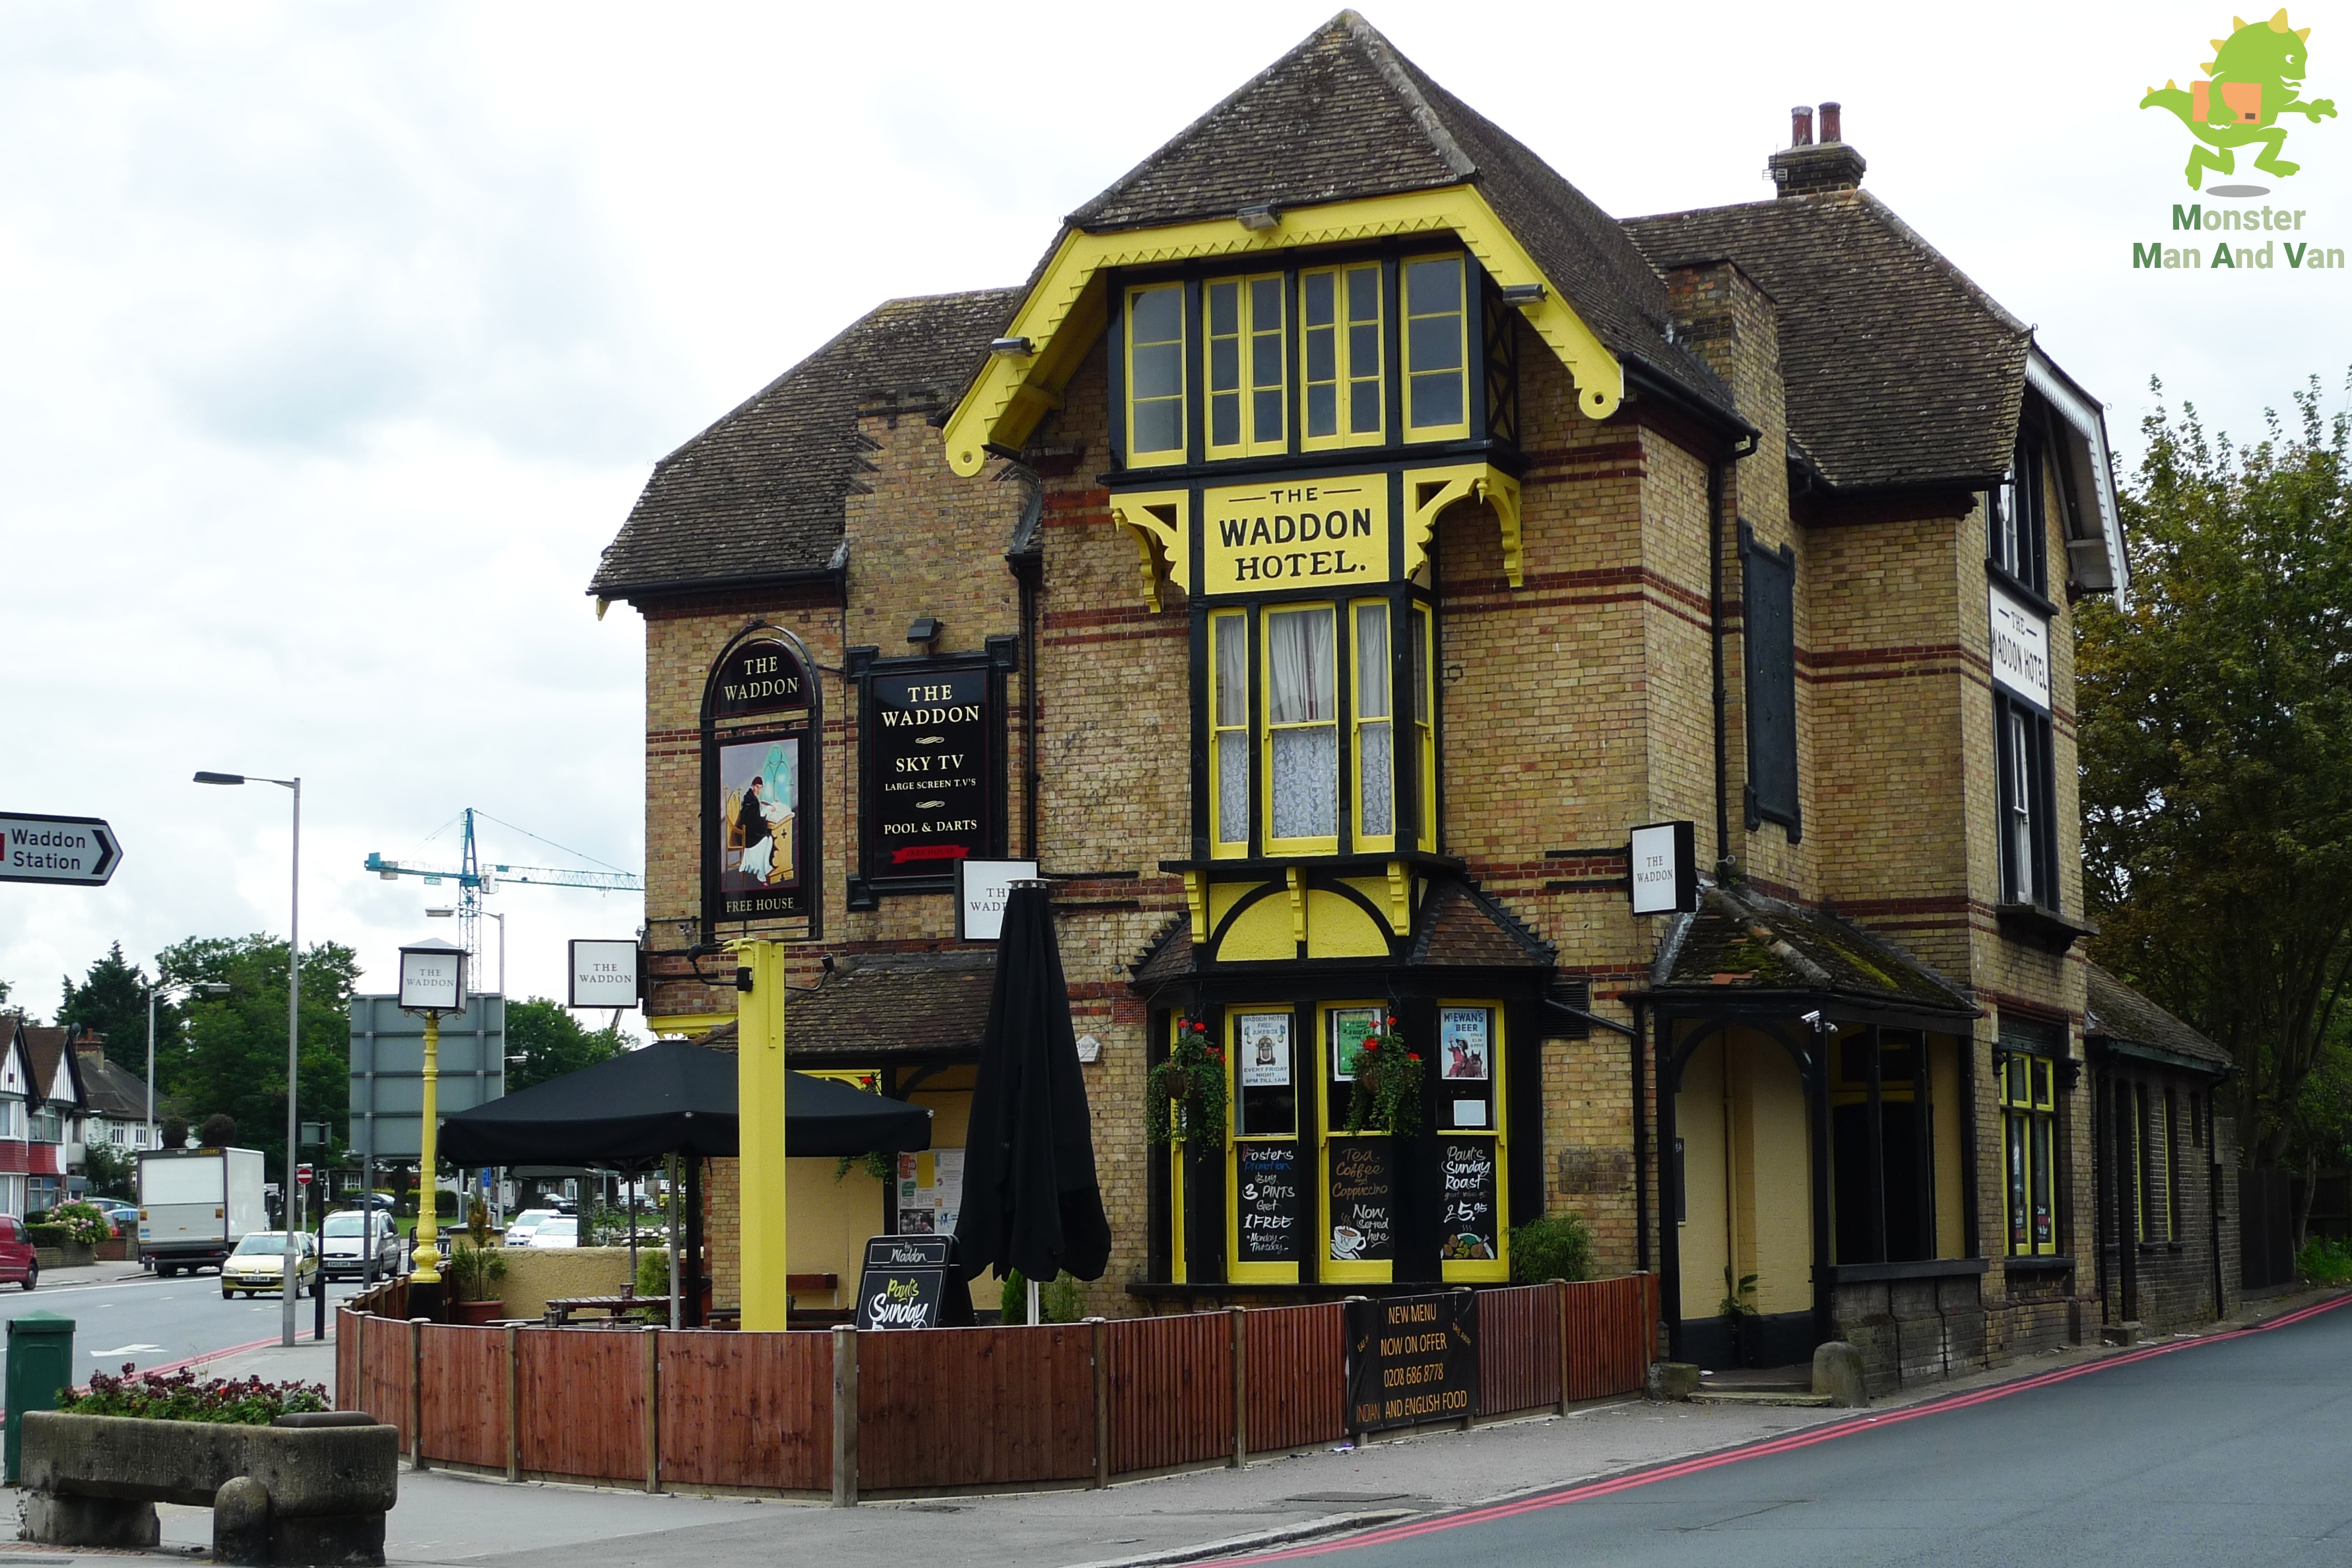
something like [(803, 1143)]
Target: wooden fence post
[(653, 1409), (514, 1404), (417, 1393), (1348, 1305), (845, 1415), (1559, 1295), (1241, 1385), (1101, 1343)]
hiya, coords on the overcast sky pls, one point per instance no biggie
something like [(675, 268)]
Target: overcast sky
[(339, 339)]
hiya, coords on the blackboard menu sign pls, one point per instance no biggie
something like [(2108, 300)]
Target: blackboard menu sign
[(1271, 1202), (1412, 1359), (1466, 1183), (903, 1281), (1362, 1200), (928, 759)]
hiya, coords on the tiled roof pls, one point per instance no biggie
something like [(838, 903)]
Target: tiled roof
[(898, 1005), (1462, 927), (108, 1088), (759, 494), (1899, 369), (1343, 117), (1743, 941), (1169, 954), (43, 1048), (2116, 1012)]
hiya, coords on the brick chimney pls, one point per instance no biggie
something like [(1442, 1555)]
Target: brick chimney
[(1807, 170)]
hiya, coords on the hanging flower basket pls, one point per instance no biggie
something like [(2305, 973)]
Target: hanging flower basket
[(1184, 1097), (1387, 1097)]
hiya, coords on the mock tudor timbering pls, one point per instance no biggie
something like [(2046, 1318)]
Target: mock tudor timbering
[(1348, 536)]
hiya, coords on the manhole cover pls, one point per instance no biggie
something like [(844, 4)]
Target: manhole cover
[(1348, 1497)]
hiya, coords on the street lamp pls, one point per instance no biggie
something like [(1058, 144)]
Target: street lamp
[(444, 912), (432, 981), (292, 1273), (160, 988)]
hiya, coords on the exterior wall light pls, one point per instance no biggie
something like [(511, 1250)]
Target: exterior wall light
[(1523, 294), (924, 629), (1012, 346), (1259, 218)]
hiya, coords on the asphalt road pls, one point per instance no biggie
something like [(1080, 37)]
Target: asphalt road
[(2229, 1451), (153, 1322)]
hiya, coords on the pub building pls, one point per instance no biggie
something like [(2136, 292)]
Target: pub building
[(1319, 569)]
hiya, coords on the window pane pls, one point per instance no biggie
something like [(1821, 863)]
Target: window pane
[(1265, 416), (1322, 410), (1372, 676), (1224, 309), (1320, 300), (1375, 779), (1299, 668), (1156, 315), (1435, 343), (1159, 370), (1232, 787), (1160, 427), (1225, 419), (1420, 668), (1233, 671), (1224, 365), (2018, 1232), (1364, 294), (2045, 1231), (1363, 407), (1436, 401), (1306, 782)]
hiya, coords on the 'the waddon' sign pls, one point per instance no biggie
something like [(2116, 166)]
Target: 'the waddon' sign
[(1329, 532)]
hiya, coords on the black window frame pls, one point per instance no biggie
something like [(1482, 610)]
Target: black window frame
[(1775, 786), (2017, 516), (2035, 884)]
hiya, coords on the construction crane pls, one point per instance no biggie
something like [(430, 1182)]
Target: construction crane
[(473, 880)]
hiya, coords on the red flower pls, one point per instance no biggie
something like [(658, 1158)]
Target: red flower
[(1392, 1020), (1371, 1044), (1415, 1055)]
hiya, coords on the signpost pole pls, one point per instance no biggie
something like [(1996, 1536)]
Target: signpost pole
[(427, 1256), (291, 1279), (759, 1085)]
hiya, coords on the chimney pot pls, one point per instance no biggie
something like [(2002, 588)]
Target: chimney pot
[(1800, 125), (1831, 131)]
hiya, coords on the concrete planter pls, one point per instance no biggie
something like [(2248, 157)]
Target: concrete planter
[(310, 1494)]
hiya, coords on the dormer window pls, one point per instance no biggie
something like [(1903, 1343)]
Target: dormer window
[(1436, 351), (1247, 389), (1342, 308), (1155, 374)]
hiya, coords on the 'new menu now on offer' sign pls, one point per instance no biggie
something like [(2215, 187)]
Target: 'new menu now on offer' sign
[(1412, 1359)]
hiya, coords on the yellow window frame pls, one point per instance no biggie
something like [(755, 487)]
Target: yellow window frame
[(1237, 1271), (1497, 1270), (1338, 1271), (1227, 840), (1348, 341), (1250, 334), (1358, 720), (1425, 721), (1459, 429), (1164, 457), (2028, 1097), (1320, 844)]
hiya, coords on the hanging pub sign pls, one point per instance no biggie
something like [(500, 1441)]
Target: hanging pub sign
[(1412, 1359), (759, 788), (931, 768), (1664, 858)]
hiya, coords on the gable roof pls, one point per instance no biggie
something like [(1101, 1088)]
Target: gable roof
[(108, 1088), (1742, 942), (2118, 1014), (1900, 371), (1462, 927), (1343, 117), (759, 494), (48, 1051)]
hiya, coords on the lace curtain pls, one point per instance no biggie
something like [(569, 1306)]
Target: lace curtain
[(1375, 740), (1232, 723), (1302, 711)]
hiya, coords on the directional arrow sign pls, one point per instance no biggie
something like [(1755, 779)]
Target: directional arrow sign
[(78, 850)]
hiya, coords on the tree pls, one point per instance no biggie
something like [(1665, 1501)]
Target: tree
[(174, 1130), (545, 1041), (2217, 750), (231, 1059), (218, 1131), (112, 1000), (112, 1174)]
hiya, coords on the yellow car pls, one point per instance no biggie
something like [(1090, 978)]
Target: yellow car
[(258, 1263)]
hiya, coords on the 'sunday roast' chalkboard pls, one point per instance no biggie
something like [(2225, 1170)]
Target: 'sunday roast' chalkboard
[(1271, 1201), (1412, 1359), (1362, 1200), (1466, 1176), (904, 1278)]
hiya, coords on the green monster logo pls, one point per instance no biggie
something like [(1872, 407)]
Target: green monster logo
[(2256, 73)]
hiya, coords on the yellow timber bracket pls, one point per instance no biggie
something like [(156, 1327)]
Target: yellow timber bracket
[(1066, 312), (760, 1091), (1156, 521), (1429, 491)]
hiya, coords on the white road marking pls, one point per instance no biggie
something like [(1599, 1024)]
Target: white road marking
[(127, 1350)]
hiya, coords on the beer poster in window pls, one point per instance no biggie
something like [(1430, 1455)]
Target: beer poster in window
[(1270, 1207), (1465, 1044), (1350, 1027), (1264, 1045), (927, 735), (1469, 1216), (1363, 1199), (760, 855)]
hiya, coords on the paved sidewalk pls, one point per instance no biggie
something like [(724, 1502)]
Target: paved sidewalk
[(449, 1518)]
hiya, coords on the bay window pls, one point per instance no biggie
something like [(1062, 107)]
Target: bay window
[(1155, 374), (1229, 731), (1375, 729), (1302, 731), (1436, 350)]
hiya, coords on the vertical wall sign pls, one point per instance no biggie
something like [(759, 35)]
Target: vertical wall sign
[(931, 760), (759, 782)]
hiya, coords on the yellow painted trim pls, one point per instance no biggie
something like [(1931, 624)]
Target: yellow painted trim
[(1196, 904), (1337, 927), (1399, 900), (760, 1165), (1297, 880), (1157, 520), (1460, 429), (1236, 1271), (1344, 374), (1062, 316), (1470, 1271), (1428, 492), (688, 1023)]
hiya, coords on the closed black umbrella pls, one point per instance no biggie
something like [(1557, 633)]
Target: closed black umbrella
[(1030, 1201)]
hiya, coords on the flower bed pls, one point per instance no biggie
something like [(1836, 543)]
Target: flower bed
[(181, 1397)]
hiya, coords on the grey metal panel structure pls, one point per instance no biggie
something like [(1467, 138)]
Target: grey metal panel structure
[(388, 1070)]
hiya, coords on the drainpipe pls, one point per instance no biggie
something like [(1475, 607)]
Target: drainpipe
[(1717, 472), (1642, 1143)]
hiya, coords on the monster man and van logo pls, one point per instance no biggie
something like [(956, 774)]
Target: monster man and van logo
[(2252, 83)]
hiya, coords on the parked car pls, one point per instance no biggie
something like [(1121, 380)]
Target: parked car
[(258, 1263), (352, 1235), (17, 1263), (124, 1216), (556, 1230), (520, 1228)]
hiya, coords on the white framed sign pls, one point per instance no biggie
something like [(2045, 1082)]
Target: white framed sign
[(2020, 647), (433, 978), (1465, 1044), (1665, 868), (603, 974), (980, 888), (1263, 1042)]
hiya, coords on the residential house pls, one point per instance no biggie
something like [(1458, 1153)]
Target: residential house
[(54, 1123)]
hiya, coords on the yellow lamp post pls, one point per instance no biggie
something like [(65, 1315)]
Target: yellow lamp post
[(759, 1085), (432, 981)]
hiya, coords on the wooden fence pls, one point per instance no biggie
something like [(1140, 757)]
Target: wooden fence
[(996, 1408)]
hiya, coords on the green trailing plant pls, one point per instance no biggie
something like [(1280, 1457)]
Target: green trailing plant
[(180, 1396), (1184, 1095), (880, 1164), (474, 1272), (1739, 1295), (1387, 1095), (2326, 1262), (1557, 1246), (1062, 1301)]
